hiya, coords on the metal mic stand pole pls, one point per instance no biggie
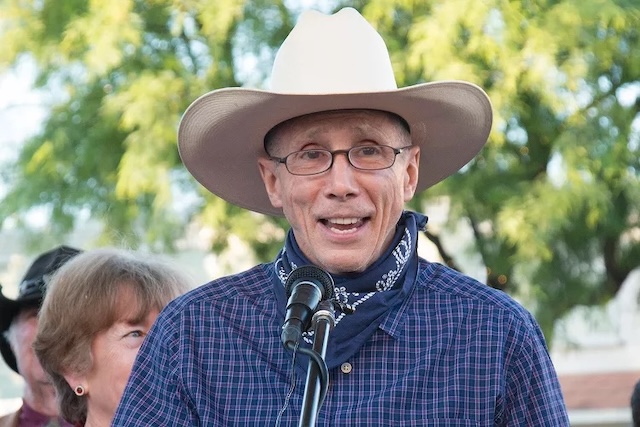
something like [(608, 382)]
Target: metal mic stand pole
[(323, 320)]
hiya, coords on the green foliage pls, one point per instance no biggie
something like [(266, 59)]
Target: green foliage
[(552, 201)]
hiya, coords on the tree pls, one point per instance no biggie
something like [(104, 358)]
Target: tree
[(124, 72), (552, 201)]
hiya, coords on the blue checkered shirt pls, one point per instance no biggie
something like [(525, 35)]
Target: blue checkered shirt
[(455, 353)]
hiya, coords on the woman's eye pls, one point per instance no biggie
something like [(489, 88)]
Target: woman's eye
[(135, 334)]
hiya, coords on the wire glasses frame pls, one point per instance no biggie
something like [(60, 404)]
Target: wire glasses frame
[(316, 161)]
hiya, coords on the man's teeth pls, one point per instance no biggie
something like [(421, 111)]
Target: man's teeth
[(343, 221)]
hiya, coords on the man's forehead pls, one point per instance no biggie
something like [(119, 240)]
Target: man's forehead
[(314, 125), (26, 313)]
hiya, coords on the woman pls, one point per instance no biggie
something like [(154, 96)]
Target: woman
[(97, 310)]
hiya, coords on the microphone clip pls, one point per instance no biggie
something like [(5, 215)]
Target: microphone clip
[(343, 307)]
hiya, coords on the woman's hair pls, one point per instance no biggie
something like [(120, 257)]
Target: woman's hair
[(83, 298)]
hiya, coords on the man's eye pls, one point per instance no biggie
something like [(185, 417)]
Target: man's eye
[(311, 155), (368, 151)]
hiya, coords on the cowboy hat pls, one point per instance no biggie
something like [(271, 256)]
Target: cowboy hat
[(328, 62), (30, 293)]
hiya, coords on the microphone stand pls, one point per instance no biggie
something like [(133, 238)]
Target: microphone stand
[(323, 321)]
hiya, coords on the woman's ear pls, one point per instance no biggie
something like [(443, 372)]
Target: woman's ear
[(77, 383)]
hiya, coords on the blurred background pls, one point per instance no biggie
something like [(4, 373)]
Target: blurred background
[(91, 93)]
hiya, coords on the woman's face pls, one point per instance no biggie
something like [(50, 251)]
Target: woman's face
[(113, 352)]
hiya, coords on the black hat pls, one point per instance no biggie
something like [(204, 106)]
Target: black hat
[(30, 293)]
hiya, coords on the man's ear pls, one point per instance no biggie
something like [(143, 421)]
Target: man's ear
[(411, 173), (267, 169)]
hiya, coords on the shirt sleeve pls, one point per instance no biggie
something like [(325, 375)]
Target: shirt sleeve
[(154, 396), (534, 396)]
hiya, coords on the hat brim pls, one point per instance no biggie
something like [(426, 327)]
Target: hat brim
[(8, 310), (221, 134)]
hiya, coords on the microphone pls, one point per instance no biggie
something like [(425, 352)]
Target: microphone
[(306, 286)]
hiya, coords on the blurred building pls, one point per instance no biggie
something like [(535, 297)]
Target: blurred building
[(597, 355)]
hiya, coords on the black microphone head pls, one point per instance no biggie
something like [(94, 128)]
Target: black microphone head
[(314, 274)]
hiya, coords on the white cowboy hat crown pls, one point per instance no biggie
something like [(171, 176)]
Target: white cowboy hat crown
[(328, 62)]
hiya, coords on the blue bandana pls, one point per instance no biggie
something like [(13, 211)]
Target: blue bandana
[(369, 295)]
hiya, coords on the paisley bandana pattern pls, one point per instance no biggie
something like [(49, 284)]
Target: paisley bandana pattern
[(366, 296)]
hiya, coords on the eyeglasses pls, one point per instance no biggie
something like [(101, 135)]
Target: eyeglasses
[(365, 157)]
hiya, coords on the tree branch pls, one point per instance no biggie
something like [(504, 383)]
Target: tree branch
[(446, 258)]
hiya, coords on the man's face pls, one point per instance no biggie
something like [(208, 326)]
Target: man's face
[(23, 333), (343, 219)]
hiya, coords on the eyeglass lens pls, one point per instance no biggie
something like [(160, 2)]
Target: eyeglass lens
[(370, 157)]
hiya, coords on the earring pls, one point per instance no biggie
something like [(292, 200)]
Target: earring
[(79, 390)]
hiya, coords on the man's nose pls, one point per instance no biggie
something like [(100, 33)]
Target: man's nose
[(341, 177)]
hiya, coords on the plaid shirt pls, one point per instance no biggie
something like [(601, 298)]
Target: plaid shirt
[(455, 353)]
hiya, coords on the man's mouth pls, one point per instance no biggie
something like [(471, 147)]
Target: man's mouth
[(343, 225)]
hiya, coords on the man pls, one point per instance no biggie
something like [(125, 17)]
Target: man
[(18, 322), (339, 150)]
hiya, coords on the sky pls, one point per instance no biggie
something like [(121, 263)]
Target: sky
[(22, 113), (21, 108)]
